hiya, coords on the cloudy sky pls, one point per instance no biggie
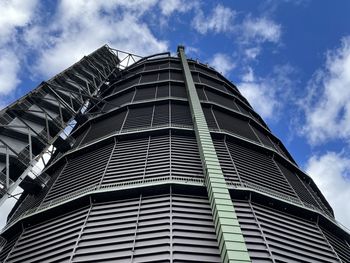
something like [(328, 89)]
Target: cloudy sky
[(291, 59)]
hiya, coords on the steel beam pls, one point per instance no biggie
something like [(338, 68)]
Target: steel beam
[(228, 232)]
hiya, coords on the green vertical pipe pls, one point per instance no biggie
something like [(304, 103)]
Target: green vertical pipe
[(228, 232)]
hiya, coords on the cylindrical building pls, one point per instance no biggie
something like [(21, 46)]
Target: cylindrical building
[(170, 163)]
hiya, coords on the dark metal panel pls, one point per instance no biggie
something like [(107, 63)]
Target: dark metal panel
[(233, 124), (256, 168)]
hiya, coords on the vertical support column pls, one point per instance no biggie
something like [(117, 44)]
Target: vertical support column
[(7, 167), (228, 232)]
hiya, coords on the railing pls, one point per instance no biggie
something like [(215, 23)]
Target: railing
[(284, 197), (97, 188)]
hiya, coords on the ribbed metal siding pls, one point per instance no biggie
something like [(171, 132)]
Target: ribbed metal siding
[(146, 116), (80, 172), (154, 157), (340, 245), (159, 228), (256, 168), (52, 241), (105, 126), (5, 250), (298, 186), (289, 238), (234, 124)]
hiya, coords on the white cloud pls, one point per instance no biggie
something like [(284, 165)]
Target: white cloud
[(267, 94), (92, 24), (222, 63), (220, 20), (9, 67), (13, 14), (331, 174), (260, 30), (252, 53), (327, 105), (167, 7)]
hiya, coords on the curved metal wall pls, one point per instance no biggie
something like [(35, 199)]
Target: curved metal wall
[(140, 137)]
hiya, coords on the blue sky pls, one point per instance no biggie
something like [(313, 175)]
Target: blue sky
[(291, 59)]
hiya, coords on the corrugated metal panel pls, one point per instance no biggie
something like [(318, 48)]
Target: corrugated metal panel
[(149, 77), (180, 114), (145, 93), (51, 241), (341, 247), (151, 157), (252, 233), (4, 252), (220, 99), (209, 117), (178, 90), (289, 238), (235, 125), (226, 162), (119, 100), (161, 115), (127, 162), (163, 91), (80, 172), (128, 230), (176, 75), (185, 159), (126, 84), (259, 169), (298, 186), (263, 137), (292, 239), (212, 82), (138, 118), (105, 126)]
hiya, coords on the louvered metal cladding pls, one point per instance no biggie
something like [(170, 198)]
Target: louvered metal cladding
[(133, 118), (340, 245), (274, 236), (137, 155), (158, 228)]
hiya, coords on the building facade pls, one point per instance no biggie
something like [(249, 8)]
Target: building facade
[(167, 162)]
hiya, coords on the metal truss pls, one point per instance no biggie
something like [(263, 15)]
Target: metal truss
[(35, 126)]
